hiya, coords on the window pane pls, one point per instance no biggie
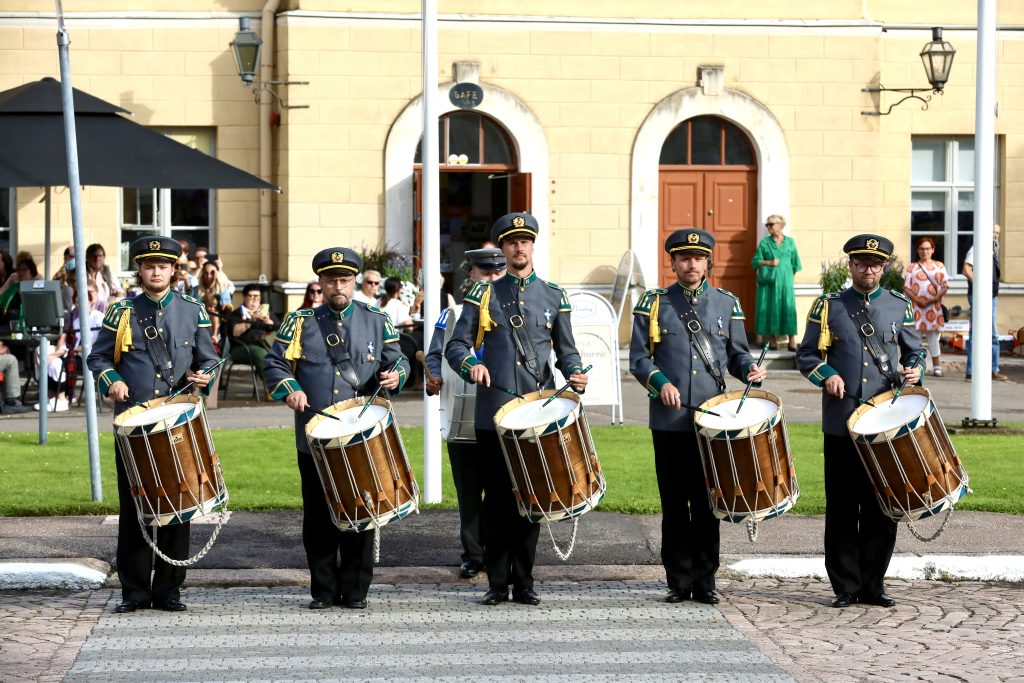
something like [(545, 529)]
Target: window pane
[(965, 160), (674, 149), (707, 141), (127, 237), (737, 147), (137, 206), (190, 208), (5, 207), (928, 163), (418, 159), (496, 149), (963, 242), (194, 238), (464, 136), (5, 240)]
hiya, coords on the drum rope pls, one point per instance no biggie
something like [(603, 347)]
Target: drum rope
[(374, 517), (942, 527), (198, 556), (572, 541), (752, 529)]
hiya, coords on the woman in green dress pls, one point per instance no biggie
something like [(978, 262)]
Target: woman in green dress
[(775, 264)]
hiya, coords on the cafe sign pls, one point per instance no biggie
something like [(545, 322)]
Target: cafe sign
[(466, 95)]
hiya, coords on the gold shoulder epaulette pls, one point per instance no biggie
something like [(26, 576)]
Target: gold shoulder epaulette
[(900, 295), (477, 292), (191, 300)]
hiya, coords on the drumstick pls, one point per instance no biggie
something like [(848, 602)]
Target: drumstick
[(507, 391), (320, 412), (377, 393), (567, 385), (751, 383), (913, 364), (423, 361), (867, 402), (207, 371), (702, 410)]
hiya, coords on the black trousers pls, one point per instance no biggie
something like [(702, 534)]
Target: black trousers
[(145, 577), (859, 538), (469, 490), (340, 562), (510, 540), (689, 530)]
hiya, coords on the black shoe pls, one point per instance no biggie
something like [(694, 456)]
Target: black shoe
[(171, 606), (707, 597), (493, 596), (319, 604), (354, 604), (470, 568), (13, 406), (677, 595), (127, 606), (526, 597), (843, 600), (880, 600)]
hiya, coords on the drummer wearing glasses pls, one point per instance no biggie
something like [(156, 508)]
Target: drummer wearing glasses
[(147, 347), (850, 346), (682, 364), (322, 356), (517, 321)]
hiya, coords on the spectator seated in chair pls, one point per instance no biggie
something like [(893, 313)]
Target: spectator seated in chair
[(10, 384), (251, 328), (65, 359)]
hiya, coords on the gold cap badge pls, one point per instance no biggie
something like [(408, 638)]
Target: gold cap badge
[(155, 244), (872, 244), (518, 222), (338, 257), (693, 238)]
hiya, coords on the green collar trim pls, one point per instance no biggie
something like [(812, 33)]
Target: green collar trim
[(870, 296), (522, 281), (342, 315), (701, 288), (162, 303)]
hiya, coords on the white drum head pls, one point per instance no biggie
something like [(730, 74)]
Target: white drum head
[(156, 414), (535, 414), (886, 417), (349, 422), (755, 411)]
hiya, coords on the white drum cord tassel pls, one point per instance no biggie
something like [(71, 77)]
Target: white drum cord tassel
[(572, 541), (195, 558)]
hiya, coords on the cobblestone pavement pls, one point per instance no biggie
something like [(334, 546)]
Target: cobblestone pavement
[(764, 630)]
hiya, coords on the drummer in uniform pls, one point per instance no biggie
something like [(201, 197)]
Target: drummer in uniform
[(149, 346), (322, 356), (681, 370), (850, 345), (485, 265), (515, 321)]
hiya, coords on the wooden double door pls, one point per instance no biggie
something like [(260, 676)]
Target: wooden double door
[(723, 202)]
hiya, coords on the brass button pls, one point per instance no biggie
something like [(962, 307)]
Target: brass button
[(336, 391), (865, 380), (337, 373), (161, 330), (156, 392), (694, 372), (186, 343), (865, 348), (865, 363), (522, 289), (518, 363), (158, 375), (695, 357), (159, 313), (867, 303)]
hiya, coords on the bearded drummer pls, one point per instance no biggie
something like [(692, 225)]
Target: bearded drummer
[(851, 344), (486, 265), (681, 365), (148, 347), (516, 321), (322, 356)]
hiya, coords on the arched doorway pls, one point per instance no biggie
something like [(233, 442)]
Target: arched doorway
[(707, 178), (479, 181)]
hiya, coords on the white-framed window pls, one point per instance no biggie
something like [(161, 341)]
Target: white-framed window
[(7, 220), (180, 214), (942, 196)]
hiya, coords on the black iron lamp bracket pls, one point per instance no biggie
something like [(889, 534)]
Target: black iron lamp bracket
[(911, 94)]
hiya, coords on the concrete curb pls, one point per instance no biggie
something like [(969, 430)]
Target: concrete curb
[(57, 573)]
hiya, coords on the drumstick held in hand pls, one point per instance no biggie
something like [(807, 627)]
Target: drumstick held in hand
[(903, 385), (567, 385), (701, 410), (423, 361), (207, 371), (320, 412), (750, 384), (380, 385)]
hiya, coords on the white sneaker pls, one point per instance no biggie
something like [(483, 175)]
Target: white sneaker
[(62, 405)]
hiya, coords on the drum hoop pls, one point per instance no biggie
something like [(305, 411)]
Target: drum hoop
[(371, 432), (754, 429), (161, 425), (884, 398), (537, 430)]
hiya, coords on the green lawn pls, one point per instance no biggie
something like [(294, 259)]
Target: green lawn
[(259, 466)]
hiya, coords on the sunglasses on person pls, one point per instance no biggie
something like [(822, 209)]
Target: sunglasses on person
[(371, 282), (310, 290)]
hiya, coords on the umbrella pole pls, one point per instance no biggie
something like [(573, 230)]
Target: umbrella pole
[(75, 188), (46, 237)]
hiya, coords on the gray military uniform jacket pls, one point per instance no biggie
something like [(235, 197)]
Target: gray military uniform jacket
[(435, 354), (120, 352), (660, 350), (484, 325), (298, 359), (833, 346)]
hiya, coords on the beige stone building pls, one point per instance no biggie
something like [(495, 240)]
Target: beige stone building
[(612, 128)]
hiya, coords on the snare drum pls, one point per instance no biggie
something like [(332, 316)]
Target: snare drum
[(550, 456), (909, 458), (458, 403), (748, 465), (362, 464), (170, 460)]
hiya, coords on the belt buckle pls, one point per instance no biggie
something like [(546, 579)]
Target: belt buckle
[(516, 320), (867, 329), (694, 326), (333, 339), (155, 332)]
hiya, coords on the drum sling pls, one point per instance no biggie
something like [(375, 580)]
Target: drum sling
[(699, 339), (520, 337), (156, 346), (335, 338), (875, 347)]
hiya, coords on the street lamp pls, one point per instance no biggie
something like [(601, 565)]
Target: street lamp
[(937, 57), (246, 47)]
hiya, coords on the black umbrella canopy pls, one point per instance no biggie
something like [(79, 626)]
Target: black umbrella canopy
[(112, 150)]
